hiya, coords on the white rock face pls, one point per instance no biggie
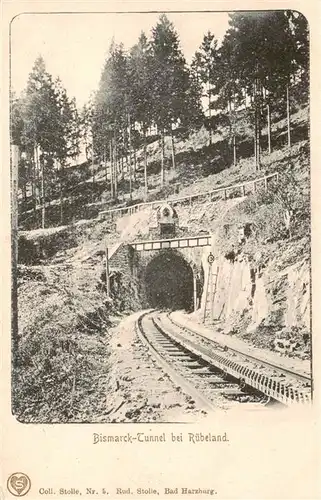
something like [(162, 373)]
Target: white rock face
[(298, 296), (261, 307), (244, 298)]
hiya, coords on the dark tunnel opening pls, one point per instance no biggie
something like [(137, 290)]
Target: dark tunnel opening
[(169, 282)]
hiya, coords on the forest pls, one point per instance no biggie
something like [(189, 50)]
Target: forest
[(149, 92)]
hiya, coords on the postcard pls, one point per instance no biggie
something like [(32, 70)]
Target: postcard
[(160, 225)]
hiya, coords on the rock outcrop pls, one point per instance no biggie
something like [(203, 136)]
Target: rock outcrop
[(263, 303)]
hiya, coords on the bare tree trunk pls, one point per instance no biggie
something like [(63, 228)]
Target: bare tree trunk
[(24, 191), (111, 168), (130, 177), (33, 185), (145, 164), (173, 148), (130, 158), (209, 109), (229, 111), (122, 167), (61, 193), (253, 100), (288, 221), (105, 163), (93, 170), (43, 202), (288, 114), (37, 169), (259, 137), (123, 156), (115, 166), (135, 163), (234, 127), (234, 150), (24, 181), (260, 120), (107, 272), (162, 159), (256, 127), (30, 175), (269, 127), (258, 151), (127, 161), (255, 141)]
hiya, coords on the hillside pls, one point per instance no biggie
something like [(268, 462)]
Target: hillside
[(199, 167), (65, 320)]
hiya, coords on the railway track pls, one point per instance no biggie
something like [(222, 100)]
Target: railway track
[(280, 383), (216, 375), (282, 369), (208, 386)]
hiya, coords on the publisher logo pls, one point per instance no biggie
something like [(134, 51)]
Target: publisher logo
[(18, 484)]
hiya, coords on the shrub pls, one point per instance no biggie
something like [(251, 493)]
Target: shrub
[(291, 205)]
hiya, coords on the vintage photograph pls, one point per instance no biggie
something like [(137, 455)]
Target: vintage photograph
[(161, 266)]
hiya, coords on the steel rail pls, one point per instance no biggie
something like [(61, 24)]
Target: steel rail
[(275, 366), (223, 383), (284, 393), (178, 379)]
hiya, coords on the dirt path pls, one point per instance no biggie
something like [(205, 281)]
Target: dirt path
[(138, 390)]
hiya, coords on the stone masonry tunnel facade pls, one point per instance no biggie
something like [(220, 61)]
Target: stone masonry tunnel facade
[(168, 267)]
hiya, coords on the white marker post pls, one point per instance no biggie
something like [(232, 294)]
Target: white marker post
[(194, 269), (210, 260)]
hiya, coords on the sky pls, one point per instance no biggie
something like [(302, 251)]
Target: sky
[(74, 46)]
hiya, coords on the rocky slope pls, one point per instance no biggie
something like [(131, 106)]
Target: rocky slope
[(267, 305)]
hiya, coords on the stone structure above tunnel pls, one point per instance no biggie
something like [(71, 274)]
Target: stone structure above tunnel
[(167, 220), (167, 223)]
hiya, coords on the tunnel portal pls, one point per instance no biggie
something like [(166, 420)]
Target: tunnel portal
[(169, 282)]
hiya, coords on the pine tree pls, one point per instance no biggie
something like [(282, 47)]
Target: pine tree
[(243, 41), (269, 50), (300, 33), (205, 65), (111, 110), (16, 125), (170, 84), (67, 136), (40, 122), (230, 87), (50, 130), (86, 125), (140, 91)]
